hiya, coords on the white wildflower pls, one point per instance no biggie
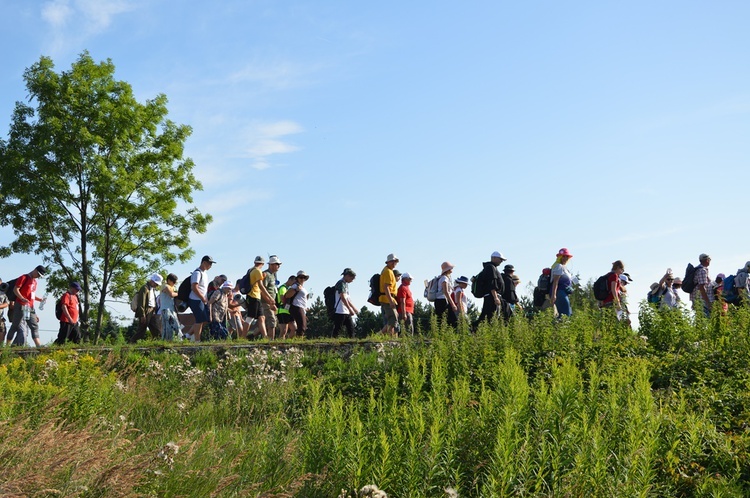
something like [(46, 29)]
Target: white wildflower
[(450, 492), (50, 364)]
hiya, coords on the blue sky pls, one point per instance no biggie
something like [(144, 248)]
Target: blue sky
[(332, 133)]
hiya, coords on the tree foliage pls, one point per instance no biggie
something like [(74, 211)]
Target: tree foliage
[(96, 182)]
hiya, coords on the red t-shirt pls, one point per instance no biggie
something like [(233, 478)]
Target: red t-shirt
[(404, 292), (612, 277), (26, 287), (70, 302)]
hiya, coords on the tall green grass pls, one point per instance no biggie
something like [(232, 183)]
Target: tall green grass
[(580, 407)]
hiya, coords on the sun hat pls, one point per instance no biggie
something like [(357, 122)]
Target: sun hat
[(624, 278), (446, 266), (564, 252), (391, 257), (156, 278), (654, 286), (274, 260), (677, 281), (509, 268), (462, 280), (302, 273)]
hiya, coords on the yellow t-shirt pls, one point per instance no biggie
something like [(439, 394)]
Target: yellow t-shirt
[(255, 277), (387, 279)]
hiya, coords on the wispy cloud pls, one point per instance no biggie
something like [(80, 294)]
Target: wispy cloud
[(275, 75), (261, 141), (73, 21)]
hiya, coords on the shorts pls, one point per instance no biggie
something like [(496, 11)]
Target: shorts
[(285, 318), (199, 310), (252, 306), (389, 315)]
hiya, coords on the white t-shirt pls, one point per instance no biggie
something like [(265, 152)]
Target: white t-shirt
[(300, 298), (444, 278), (341, 308), (459, 296), (201, 278)]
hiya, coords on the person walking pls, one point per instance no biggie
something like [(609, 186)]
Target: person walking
[(387, 297), (405, 300), (69, 324), (145, 311), (24, 313), (344, 311), (614, 287), (198, 300), (268, 306), (444, 298), (490, 286), (702, 296), (170, 324), (287, 327), (460, 298), (297, 296), (562, 283)]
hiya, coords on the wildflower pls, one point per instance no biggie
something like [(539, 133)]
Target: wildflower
[(371, 491), (230, 383), (50, 364), (450, 492)]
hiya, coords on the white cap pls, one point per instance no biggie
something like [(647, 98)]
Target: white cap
[(156, 278), (406, 275), (498, 254)]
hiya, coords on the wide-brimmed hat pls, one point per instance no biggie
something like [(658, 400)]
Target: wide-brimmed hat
[(302, 274), (274, 260), (445, 266), (462, 280), (509, 268), (391, 257), (564, 252), (654, 286)]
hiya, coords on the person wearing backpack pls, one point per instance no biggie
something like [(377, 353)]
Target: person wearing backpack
[(344, 310), (444, 297), (702, 297), (490, 286), (614, 287), (561, 284), (24, 296), (198, 298), (170, 324), (387, 297), (287, 327), (145, 309), (296, 295), (69, 312), (509, 282)]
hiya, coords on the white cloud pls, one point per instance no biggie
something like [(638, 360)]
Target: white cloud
[(276, 75), (73, 21), (263, 140)]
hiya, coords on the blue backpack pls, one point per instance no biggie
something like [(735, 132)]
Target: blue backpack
[(730, 291)]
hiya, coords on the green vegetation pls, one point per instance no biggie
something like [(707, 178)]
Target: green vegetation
[(536, 408)]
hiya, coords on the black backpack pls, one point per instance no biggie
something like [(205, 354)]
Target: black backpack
[(9, 291), (58, 308), (545, 282), (478, 287), (374, 290), (688, 284), (183, 291), (329, 297), (601, 290)]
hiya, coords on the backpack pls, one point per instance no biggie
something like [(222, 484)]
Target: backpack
[(688, 284), (244, 283), (654, 297), (134, 302), (601, 291), (183, 291), (431, 290), (477, 287), (329, 297), (730, 290), (58, 308), (9, 291), (545, 281), (374, 290)]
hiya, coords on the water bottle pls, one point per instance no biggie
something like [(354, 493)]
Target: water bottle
[(44, 301), (26, 312)]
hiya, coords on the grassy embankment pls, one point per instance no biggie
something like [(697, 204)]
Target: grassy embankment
[(581, 408)]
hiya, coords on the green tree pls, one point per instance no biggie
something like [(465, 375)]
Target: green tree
[(96, 182)]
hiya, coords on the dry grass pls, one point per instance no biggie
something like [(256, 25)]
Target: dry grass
[(55, 461)]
